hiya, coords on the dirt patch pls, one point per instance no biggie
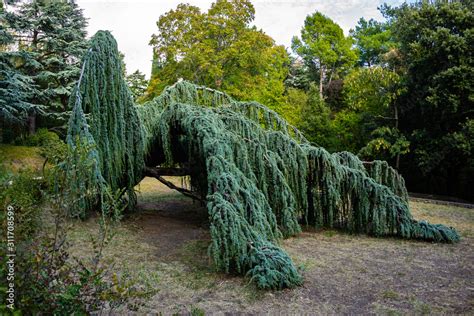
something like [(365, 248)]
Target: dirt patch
[(170, 224), (357, 274), (164, 246)]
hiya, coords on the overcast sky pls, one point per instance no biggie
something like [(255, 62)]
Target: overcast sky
[(133, 22)]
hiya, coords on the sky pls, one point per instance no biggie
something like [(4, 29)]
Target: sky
[(133, 22)]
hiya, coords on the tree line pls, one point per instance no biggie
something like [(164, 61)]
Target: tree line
[(398, 90)]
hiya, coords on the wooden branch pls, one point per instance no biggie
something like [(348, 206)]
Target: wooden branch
[(159, 172)]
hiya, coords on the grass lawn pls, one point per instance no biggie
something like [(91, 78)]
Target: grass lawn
[(18, 157), (163, 248)]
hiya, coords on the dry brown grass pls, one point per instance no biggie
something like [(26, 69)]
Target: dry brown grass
[(163, 247)]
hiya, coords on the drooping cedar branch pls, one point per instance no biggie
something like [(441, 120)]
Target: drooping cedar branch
[(158, 174)]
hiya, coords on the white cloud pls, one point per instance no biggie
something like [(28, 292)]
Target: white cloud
[(133, 22)]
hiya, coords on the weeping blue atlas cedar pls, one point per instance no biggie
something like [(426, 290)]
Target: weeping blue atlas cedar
[(259, 176)]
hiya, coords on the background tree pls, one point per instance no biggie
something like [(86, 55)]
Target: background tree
[(299, 75), (137, 84), (324, 48), (435, 46), (54, 34), (371, 93), (373, 39), (16, 89), (315, 120), (220, 49)]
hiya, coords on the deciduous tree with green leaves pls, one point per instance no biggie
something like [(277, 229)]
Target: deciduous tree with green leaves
[(373, 39), (315, 119), (437, 68), (371, 93), (220, 49), (324, 48)]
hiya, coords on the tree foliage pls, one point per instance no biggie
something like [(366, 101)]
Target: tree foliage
[(324, 48), (372, 90), (435, 48), (315, 119), (137, 83), (386, 143), (16, 89), (52, 34), (373, 40), (114, 129), (219, 49), (372, 93)]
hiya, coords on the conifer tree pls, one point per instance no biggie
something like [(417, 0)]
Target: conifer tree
[(54, 34), (137, 84), (324, 49), (16, 89)]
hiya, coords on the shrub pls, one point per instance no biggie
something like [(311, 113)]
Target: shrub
[(42, 137), (22, 191), (52, 147), (47, 279)]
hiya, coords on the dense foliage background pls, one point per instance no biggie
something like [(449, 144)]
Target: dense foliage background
[(398, 90)]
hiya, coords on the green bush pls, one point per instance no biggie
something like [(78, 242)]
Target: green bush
[(22, 191), (52, 147), (42, 137)]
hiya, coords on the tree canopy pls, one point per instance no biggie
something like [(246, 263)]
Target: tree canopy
[(436, 65), (16, 88), (51, 38), (219, 49), (324, 48), (373, 39)]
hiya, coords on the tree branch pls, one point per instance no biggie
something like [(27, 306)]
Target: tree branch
[(158, 173)]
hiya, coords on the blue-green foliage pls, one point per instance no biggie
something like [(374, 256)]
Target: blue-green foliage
[(103, 102), (16, 90), (259, 176)]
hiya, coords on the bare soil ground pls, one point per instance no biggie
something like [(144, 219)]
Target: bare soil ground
[(163, 248)]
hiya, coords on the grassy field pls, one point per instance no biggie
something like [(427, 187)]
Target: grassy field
[(163, 248), (17, 157)]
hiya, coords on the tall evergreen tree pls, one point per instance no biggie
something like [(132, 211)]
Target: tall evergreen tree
[(137, 84), (54, 33), (16, 89)]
